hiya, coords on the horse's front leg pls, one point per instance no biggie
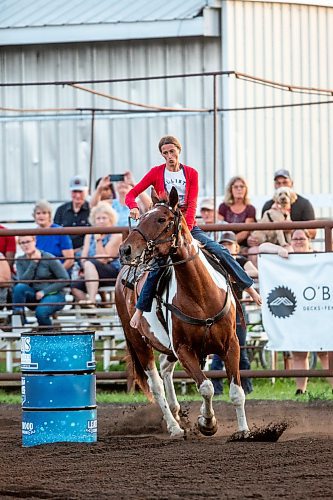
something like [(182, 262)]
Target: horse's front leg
[(157, 388), (236, 391), (167, 368), (206, 420)]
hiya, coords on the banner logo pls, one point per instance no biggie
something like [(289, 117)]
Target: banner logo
[(281, 302)]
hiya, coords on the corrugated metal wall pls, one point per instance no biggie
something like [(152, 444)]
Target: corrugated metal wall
[(289, 44), (281, 42), (41, 153)]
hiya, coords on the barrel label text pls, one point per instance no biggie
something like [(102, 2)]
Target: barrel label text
[(92, 426), (28, 428)]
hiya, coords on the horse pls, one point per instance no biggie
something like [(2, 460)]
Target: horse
[(200, 317)]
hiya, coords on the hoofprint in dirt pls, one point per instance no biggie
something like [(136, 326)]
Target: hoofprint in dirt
[(135, 458)]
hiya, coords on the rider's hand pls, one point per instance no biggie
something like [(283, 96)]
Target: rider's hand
[(135, 213)]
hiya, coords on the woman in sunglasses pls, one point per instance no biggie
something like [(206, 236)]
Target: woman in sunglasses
[(44, 279)]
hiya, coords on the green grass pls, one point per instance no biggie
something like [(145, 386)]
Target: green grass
[(283, 389)]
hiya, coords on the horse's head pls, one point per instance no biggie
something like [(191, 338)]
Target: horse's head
[(157, 233)]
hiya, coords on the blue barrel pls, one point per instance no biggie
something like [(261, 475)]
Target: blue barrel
[(58, 352), (58, 388), (58, 391), (41, 427)]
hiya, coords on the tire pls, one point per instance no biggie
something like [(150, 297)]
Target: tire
[(265, 358)]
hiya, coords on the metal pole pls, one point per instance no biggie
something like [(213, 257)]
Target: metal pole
[(215, 146), (91, 149), (328, 239), (330, 361)]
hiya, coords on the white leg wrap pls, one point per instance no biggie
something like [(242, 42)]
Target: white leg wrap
[(156, 387), (167, 369), (206, 390), (237, 397)]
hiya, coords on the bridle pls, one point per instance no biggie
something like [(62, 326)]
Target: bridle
[(147, 253), (173, 238)]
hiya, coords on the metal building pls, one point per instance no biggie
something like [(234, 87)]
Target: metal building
[(280, 41)]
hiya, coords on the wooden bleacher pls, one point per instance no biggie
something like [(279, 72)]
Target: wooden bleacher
[(103, 320)]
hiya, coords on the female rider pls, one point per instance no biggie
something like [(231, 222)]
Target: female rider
[(185, 180)]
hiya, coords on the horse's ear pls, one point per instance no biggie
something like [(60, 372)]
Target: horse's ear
[(154, 196), (173, 197)]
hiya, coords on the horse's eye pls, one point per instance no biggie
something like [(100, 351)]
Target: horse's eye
[(161, 220)]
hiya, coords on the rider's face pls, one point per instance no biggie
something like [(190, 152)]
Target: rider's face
[(171, 155)]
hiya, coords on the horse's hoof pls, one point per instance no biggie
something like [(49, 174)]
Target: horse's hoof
[(177, 433), (207, 426)]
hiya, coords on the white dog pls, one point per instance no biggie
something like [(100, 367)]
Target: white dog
[(283, 198)]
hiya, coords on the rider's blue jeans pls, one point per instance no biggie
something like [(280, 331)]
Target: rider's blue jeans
[(229, 263), (22, 293), (146, 297), (244, 363)]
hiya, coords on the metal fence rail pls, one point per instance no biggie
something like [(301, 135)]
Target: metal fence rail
[(326, 225)]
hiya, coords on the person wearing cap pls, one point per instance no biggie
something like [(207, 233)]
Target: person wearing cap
[(163, 178), (229, 240), (76, 212), (302, 209), (207, 216)]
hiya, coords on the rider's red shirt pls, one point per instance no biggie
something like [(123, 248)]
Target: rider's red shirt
[(155, 178)]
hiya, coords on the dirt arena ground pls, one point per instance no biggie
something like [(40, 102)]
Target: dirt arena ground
[(134, 458)]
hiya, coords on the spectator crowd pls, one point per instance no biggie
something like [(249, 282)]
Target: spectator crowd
[(47, 264)]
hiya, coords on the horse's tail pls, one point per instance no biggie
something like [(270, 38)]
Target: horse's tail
[(134, 342), (136, 373)]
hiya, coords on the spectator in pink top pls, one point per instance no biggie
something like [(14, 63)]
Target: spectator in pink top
[(237, 208)]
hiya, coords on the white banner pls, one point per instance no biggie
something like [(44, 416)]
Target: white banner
[(297, 295)]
